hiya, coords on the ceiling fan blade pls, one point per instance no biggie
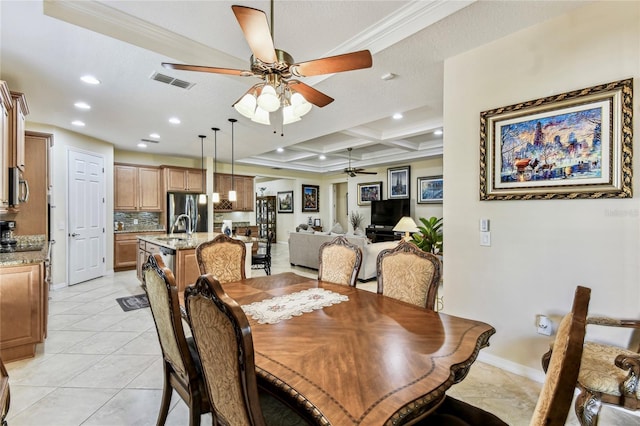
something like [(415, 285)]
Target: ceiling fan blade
[(256, 30), (312, 95), (332, 64), (366, 173), (230, 71)]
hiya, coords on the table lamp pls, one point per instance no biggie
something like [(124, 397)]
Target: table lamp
[(406, 225)]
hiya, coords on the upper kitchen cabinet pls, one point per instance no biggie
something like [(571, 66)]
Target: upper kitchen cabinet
[(137, 188), (17, 118), (244, 193), (183, 179), (5, 106)]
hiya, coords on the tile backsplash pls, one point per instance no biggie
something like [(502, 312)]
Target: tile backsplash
[(146, 220)]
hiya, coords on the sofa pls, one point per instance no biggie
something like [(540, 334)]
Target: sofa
[(304, 249)]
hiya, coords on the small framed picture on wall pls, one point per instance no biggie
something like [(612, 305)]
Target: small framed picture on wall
[(430, 189), (310, 198), (285, 202), (398, 182)]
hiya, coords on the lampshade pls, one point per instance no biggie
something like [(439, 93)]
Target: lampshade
[(300, 105), (406, 225), (233, 196), (288, 116), (215, 197), (268, 99), (246, 106), (202, 199), (261, 116), (232, 192)]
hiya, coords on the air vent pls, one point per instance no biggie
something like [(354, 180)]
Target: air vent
[(149, 141), (163, 78)]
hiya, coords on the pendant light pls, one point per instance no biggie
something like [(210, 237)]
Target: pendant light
[(215, 196), (232, 193), (202, 199)]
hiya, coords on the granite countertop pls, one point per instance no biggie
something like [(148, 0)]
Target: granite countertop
[(37, 255), (182, 242), (138, 230)]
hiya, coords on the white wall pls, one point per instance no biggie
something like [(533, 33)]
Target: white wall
[(63, 140), (541, 250)]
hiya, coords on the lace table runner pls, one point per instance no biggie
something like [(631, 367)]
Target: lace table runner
[(276, 309)]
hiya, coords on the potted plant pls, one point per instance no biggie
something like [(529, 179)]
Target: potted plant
[(356, 220), (429, 237)]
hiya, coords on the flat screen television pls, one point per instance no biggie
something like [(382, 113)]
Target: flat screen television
[(389, 212)]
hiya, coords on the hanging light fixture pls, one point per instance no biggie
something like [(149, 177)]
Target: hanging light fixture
[(232, 192), (202, 199), (215, 195)]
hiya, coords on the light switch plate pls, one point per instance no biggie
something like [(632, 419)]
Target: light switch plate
[(485, 239), (484, 225)]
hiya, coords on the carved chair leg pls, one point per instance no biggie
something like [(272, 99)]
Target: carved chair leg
[(194, 412), (167, 390), (588, 407)]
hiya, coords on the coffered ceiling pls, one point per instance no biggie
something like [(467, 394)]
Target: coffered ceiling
[(47, 46)]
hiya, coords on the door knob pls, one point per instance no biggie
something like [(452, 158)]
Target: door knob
[(74, 234)]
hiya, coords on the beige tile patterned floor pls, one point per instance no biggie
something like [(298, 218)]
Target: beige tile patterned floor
[(101, 366)]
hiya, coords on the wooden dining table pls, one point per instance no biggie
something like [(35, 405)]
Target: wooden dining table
[(368, 360)]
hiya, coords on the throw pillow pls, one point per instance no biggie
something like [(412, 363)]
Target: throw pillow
[(302, 227), (337, 229)]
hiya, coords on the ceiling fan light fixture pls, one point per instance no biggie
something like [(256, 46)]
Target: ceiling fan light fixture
[(268, 99), (300, 105), (246, 106), (261, 116), (288, 115)]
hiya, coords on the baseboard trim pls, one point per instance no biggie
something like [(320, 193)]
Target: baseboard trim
[(512, 367)]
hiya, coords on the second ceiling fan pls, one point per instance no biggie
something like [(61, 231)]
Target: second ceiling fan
[(354, 171), (277, 68)]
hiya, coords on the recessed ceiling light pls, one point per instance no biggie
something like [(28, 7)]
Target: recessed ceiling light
[(78, 123), (154, 135), (397, 116), (322, 157), (82, 105), (437, 132), (174, 120), (280, 149), (142, 145), (89, 79)]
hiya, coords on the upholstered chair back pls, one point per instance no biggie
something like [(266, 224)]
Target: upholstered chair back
[(223, 338), (339, 262), (409, 274), (5, 398), (562, 375), (181, 364), (222, 257)]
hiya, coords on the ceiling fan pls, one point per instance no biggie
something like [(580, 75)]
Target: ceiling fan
[(277, 68), (353, 171)]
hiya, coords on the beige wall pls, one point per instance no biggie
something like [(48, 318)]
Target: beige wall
[(540, 249)]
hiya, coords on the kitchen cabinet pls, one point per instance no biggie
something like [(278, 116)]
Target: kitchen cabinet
[(17, 119), (145, 249), (23, 309), (137, 188), (266, 216), (125, 250), (5, 106), (187, 270), (183, 179), (244, 192)]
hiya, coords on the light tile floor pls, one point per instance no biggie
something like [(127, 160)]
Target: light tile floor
[(102, 366)]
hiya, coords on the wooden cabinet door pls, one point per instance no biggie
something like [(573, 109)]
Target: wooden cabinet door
[(246, 194), (150, 192), (194, 181), (125, 252), (5, 100), (175, 179), (21, 311), (17, 124), (33, 217), (187, 270), (125, 182)]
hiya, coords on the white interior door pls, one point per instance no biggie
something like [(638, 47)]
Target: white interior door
[(86, 215)]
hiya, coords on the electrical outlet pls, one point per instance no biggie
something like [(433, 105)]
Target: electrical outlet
[(135, 221), (545, 325), (485, 239)]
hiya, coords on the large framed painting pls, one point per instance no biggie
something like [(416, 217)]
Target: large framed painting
[(285, 202), (572, 145), (368, 192), (310, 198), (430, 189), (398, 182)]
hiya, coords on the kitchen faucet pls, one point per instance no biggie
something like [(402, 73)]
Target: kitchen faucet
[(188, 219)]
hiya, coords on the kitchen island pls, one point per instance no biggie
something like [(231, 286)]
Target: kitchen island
[(178, 252)]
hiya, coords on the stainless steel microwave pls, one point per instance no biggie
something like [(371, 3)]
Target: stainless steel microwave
[(18, 187)]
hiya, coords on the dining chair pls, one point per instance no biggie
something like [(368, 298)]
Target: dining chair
[(554, 401), (339, 261), (608, 374), (5, 395), (223, 339), (223, 257), (407, 273), (263, 260), (181, 364)]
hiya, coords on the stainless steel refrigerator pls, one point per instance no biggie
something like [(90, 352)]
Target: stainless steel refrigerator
[(186, 203)]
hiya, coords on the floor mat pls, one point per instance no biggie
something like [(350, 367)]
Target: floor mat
[(131, 303)]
